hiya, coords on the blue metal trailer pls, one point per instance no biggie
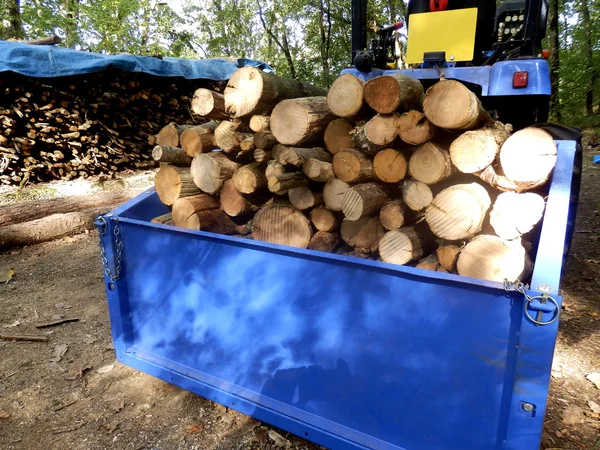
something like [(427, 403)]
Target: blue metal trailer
[(345, 352)]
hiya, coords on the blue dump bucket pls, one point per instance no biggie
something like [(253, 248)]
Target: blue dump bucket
[(345, 352)]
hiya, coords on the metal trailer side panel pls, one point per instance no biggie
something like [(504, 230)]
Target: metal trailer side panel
[(347, 353)]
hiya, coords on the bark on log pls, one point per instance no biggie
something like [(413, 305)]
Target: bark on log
[(494, 176), (264, 140), (171, 155), (250, 91), (458, 211), (414, 128), (224, 136), (260, 123), (317, 170), (286, 181), (301, 120), (163, 219), (377, 133), (210, 170), (363, 234), (249, 179), (31, 210), (282, 225), (345, 96), (395, 92), (303, 198), (475, 150), (323, 219), (296, 156), (169, 134), (516, 214), (48, 228), (405, 245), (232, 202), (186, 207), (352, 166), (430, 163), (363, 200), (274, 169), (450, 104), (333, 193), (390, 165), (337, 136), (416, 195), (447, 256), (262, 156), (172, 183), (428, 263), (324, 241), (528, 157), (245, 141), (213, 220), (209, 104), (492, 258), (394, 215)]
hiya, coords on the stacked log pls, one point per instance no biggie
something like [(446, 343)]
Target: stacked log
[(363, 169), (87, 125)]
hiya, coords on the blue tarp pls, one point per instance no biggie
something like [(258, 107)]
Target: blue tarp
[(48, 61)]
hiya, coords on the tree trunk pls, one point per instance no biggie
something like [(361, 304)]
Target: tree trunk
[(528, 157), (15, 28), (394, 215), (323, 219), (208, 103), (466, 113), (337, 136), (260, 123), (390, 166), (303, 198), (301, 120), (264, 140), (363, 234), (376, 134), (352, 166), (447, 256), (430, 163), (345, 97), (197, 140), (414, 128), (458, 211), (588, 49), (324, 241), (516, 214), (48, 228), (491, 258), (316, 170), (363, 200), (474, 150), (282, 225), (31, 210), (405, 245), (249, 179), (554, 59), (171, 155), (333, 193), (172, 183), (287, 181), (416, 195), (396, 92), (295, 156), (250, 91), (210, 170)]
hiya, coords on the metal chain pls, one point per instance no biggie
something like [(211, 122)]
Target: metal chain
[(119, 249), (520, 287)]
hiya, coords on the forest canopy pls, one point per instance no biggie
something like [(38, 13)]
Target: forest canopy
[(304, 39)]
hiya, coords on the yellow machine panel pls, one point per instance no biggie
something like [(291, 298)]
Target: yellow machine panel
[(452, 32)]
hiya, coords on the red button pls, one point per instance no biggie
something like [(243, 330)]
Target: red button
[(520, 79)]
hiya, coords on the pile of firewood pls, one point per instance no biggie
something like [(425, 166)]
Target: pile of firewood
[(379, 170), (71, 127)]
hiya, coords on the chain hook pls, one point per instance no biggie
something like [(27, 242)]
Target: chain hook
[(543, 299), (102, 229)]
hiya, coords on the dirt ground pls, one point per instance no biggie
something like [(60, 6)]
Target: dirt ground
[(69, 393)]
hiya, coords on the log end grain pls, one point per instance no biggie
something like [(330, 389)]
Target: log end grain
[(282, 225), (492, 258), (345, 97), (390, 165)]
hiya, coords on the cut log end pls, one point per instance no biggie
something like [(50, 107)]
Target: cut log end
[(333, 193), (323, 219), (345, 97), (337, 136), (389, 93), (282, 225), (492, 258), (390, 165), (414, 128), (416, 195), (430, 163)]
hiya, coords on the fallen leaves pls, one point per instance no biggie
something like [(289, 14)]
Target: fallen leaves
[(594, 377), (195, 429), (12, 325), (5, 277), (279, 440), (59, 352), (105, 369), (572, 415), (4, 415)]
